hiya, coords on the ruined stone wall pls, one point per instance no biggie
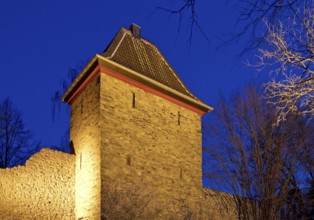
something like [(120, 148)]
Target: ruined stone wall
[(42, 189), (85, 135), (145, 138)]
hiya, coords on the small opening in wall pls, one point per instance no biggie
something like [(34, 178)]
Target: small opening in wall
[(128, 160), (133, 100), (80, 161), (81, 106), (179, 118), (181, 172)]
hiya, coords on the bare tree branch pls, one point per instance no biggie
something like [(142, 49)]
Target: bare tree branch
[(15, 140), (187, 6), (290, 52), (64, 85), (256, 161)]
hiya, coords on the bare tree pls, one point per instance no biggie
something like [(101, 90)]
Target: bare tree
[(181, 209), (122, 200), (249, 24), (252, 14), (252, 159), (15, 140), (127, 201), (219, 205), (290, 55), (285, 45), (57, 105), (186, 7), (64, 85)]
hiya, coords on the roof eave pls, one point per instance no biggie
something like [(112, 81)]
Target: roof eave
[(103, 61), (154, 84), (80, 78)]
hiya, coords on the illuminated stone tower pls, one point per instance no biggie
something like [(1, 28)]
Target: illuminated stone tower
[(133, 119)]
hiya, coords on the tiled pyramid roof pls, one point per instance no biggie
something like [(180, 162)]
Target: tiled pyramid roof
[(139, 60), (129, 49)]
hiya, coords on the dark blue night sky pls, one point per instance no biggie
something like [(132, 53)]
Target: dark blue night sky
[(41, 40)]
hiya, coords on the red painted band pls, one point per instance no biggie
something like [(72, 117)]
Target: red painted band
[(149, 89), (91, 76), (130, 81)]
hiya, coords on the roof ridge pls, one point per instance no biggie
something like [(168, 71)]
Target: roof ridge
[(123, 36)]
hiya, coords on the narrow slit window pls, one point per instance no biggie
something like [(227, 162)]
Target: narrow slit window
[(82, 106), (128, 160), (179, 118), (133, 100), (181, 172), (80, 161)]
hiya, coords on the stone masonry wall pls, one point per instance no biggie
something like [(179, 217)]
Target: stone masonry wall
[(42, 189), (85, 135), (121, 134), (145, 138)]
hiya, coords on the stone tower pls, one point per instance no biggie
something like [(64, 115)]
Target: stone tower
[(133, 120)]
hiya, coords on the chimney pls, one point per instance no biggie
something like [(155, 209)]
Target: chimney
[(135, 30)]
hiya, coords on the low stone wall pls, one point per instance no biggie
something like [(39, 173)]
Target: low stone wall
[(42, 189)]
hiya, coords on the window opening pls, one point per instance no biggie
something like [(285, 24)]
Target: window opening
[(128, 160), (80, 161), (181, 172), (133, 100), (81, 106)]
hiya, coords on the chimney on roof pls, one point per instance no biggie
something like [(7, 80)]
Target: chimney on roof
[(135, 30)]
